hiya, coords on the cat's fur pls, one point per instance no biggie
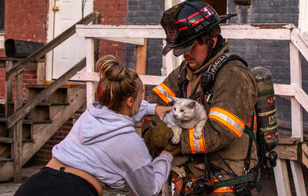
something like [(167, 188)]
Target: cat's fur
[(185, 114)]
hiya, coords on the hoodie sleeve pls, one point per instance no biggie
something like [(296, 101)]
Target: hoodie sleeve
[(149, 179), (146, 108)]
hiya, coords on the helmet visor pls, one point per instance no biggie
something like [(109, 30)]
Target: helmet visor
[(178, 51)]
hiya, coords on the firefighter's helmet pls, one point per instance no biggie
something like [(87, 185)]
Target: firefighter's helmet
[(186, 21)]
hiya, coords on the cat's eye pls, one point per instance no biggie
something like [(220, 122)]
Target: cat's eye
[(182, 110), (174, 109)]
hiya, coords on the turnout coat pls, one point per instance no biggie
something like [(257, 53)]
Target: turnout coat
[(230, 105)]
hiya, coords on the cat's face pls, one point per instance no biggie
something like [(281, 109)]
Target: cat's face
[(183, 109)]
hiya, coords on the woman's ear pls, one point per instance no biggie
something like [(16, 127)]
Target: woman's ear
[(130, 102)]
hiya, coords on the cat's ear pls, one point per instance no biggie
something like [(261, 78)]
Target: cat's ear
[(174, 98), (192, 104)]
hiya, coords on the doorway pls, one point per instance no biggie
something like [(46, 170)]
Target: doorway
[(71, 51)]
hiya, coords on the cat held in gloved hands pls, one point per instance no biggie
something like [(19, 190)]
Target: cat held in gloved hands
[(185, 114)]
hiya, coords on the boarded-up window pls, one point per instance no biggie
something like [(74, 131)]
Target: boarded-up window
[(219, 5)]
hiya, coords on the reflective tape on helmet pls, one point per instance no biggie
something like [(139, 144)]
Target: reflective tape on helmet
[(164, 92), (197, 17), (197, 146), (232, 122)]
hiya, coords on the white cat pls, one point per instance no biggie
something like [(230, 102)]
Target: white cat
[(187, 114)]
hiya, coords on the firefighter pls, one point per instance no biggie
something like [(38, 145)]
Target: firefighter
[(224, 160)]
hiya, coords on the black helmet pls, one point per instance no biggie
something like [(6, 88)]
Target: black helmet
[(186, 21)]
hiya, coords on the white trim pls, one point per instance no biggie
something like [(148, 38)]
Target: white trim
[(229, 31), (300, 40), (50, 36), (298, 177), (303, 16), (94, 77), (255, 31), (1, 41), (282, 177), (90, 68)]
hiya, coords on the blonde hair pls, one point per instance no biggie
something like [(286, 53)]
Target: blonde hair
[(116, 84)]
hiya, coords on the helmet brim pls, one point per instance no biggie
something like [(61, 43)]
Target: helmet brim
[(178, 51)]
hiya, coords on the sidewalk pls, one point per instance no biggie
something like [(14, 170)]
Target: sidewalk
[(9, 188)]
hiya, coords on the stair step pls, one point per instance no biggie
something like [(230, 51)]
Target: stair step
[(8, 140), (44, 103), (29, 121), (6, 160), (67, 85)]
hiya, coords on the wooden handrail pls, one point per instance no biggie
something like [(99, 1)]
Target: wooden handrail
[(22, 64), (18, 115)]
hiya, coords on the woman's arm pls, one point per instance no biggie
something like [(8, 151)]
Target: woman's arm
[(150, 178)]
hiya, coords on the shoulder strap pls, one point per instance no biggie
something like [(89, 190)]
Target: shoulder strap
[(209, 76), (183, 82)]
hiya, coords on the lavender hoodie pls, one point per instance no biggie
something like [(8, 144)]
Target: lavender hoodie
[(106, 145)]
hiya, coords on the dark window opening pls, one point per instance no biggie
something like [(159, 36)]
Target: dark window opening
[(2, 15), (219, 5)]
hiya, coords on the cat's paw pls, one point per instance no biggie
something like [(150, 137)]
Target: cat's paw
[(197, 134), (176, 139)]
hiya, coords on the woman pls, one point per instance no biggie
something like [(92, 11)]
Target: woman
[(103, 148)]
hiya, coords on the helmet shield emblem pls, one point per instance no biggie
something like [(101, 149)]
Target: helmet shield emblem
[(170, 29)]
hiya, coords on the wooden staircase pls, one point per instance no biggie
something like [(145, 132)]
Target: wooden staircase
[(40, 123), (28, 124)]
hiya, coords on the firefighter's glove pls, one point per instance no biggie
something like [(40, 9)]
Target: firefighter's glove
[(147, 130), (160, 136)]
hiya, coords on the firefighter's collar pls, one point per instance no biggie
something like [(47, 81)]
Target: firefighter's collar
[(210, 61)]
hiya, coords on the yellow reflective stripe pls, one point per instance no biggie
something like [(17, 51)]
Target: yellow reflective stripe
[(267, 113), (227, 119), (178, 182), (191, 141), (196, 146), (248, 122), (223, 190), (202, 143), (168, 90), (164, 92), (269, 128), (161, 95)]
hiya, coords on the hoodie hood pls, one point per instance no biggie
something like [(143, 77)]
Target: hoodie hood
[(97, 124)]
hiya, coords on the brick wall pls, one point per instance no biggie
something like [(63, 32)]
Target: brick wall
[(113, 12), (25, 20)]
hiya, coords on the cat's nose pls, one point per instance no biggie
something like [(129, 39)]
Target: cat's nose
[(174, 115)]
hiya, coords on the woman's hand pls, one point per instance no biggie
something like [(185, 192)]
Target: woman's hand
[(161, 111)]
